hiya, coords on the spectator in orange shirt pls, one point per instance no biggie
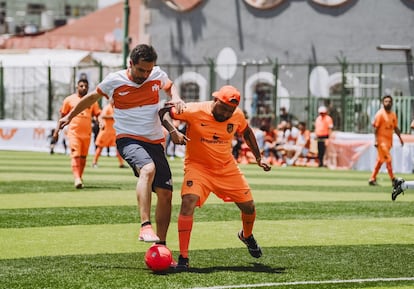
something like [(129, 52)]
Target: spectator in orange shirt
[(323, 129), (79, 131), (210, 165), (106, 135), (385, 124)]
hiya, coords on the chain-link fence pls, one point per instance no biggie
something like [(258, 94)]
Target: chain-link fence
[(351, 91)]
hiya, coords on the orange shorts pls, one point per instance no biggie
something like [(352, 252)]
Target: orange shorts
[(106, 139), (384, 154), (79, 147), (227, 183)]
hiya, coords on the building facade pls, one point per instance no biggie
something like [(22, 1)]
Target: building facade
[(282, 52), (33, 16)]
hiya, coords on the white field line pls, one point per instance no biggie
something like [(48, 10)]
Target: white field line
[(309, 283)]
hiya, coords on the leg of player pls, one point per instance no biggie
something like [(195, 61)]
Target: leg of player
[(399, 186), (76, 171), (98, 152), (185, 226), (163, 212), (144, 191), (248, 216), (373, 179)]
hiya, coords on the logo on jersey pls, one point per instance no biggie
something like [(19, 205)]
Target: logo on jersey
[(230, 127), (155, 87), (123, 93)]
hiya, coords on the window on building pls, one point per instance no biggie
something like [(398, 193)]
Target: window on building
[(35, 8), (68, 10), (78, 10), (3, 10), (264, 99), (190, 92), (262, 109)]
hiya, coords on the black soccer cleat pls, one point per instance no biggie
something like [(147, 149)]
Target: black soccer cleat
[(396, 188), (183, 264), (251, 244), (373, 183)]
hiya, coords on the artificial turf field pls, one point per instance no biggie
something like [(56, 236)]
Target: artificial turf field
[(318, 228)]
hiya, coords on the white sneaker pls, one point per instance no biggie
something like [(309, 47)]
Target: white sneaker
[(78, 183), (146, 234)]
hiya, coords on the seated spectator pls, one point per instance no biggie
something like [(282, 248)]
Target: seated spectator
[(302, 145), (286, 141)]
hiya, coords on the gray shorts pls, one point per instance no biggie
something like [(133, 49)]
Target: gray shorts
[(138, 153)]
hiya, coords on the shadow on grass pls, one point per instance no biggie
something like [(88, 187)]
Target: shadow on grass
[(103, 187), (255, 267)]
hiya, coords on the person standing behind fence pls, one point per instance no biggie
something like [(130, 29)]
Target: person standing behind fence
[(106, 135), (385, 124), (323, 129), (80, 130), (286, 116)]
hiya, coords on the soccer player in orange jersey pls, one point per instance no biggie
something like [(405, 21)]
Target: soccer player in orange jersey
[(107, 135), (134, 93), (385, 124), (80, 130), (210, 165)]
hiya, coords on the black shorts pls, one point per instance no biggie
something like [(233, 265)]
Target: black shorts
[(138, 153)]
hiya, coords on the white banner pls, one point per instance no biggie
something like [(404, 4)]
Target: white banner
[(19, 135), (346, 150)]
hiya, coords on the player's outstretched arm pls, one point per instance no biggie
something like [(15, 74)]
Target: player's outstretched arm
[(176, 136), (251, 141), (84, 103), (175, 98)]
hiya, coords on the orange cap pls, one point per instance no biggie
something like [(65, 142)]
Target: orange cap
[(229, 95)]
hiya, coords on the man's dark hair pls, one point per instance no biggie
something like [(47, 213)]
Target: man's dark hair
[(144, 52), (387, 96), (84, 80)]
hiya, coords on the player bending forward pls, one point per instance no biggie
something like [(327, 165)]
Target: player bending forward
[(209, 165)]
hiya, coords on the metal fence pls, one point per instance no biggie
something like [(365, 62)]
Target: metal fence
[(351, 91)]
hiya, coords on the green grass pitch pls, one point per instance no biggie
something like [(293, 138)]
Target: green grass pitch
[(318, 228)]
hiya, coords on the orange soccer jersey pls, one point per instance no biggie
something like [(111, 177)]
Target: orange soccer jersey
[(80, 128), (209, 163), (385, 123), (107, 135)]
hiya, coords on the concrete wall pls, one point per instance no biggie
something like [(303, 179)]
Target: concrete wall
[(293, 32)]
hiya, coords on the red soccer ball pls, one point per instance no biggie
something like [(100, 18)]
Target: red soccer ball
[(158, 258)]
